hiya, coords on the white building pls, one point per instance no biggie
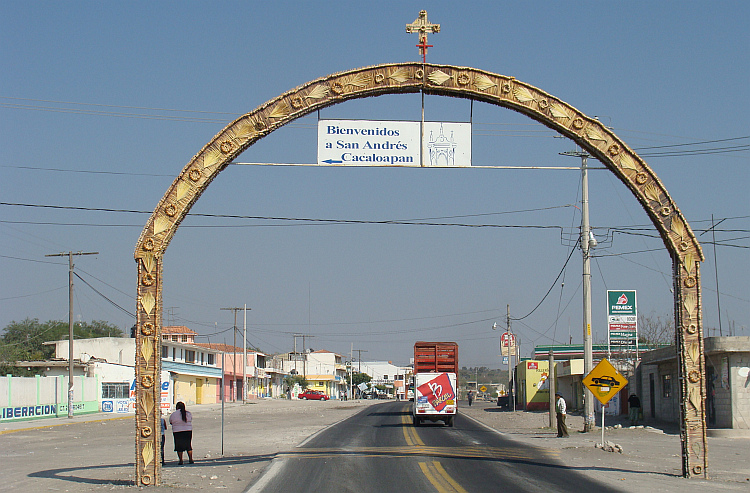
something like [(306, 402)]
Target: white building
[(394, 378)]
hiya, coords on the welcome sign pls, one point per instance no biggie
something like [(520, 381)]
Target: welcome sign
[(393, 143)]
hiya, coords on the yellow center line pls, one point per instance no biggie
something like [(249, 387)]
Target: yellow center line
[(439, 468), (439, 477), (410, 433)]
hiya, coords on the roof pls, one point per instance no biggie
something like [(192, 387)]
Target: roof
[(227, 348), (177, 329), (325, 351)]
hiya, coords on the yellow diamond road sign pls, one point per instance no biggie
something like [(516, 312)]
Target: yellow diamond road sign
[(605, 381), (483, 389)]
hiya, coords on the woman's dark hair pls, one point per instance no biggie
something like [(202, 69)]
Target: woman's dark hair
[(181, 407)]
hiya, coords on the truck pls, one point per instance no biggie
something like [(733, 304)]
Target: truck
[(435, 385)]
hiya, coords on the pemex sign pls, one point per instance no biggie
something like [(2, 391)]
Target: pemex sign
[(622, 318)]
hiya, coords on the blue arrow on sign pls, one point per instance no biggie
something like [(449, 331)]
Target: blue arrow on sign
[(332, 161)]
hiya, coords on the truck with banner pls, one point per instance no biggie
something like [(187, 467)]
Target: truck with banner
[(435, 382)]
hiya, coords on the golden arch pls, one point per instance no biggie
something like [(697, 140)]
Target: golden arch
[(444, 80)]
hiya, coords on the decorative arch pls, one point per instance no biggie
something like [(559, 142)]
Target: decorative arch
[(443, 80)]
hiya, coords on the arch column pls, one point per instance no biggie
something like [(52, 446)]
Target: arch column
[(148, 370)]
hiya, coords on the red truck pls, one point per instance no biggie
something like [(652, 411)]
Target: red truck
[(435, 391)]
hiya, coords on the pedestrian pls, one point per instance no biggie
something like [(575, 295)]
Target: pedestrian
[(635, 409), (470, 397), (182, 430), (163, 436), (561, 411)]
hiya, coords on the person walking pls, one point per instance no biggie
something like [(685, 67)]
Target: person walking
[(182, 430), (163, 437), (561, 411), (635, 409), (470, 397)]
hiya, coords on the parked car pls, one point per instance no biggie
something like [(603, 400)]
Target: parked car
[(313, 395)]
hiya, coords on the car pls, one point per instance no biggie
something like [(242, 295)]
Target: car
[(313, 395), (605, 381)]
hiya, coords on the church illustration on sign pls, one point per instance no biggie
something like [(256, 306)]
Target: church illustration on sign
[(442, 151)]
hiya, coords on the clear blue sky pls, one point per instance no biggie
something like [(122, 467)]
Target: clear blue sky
[(103, 103)]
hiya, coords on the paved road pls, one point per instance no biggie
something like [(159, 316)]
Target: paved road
[(380, 450)]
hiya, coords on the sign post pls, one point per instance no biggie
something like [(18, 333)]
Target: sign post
[(622, 321), (604, 382)]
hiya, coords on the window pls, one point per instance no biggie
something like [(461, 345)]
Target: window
[(175, 338), (174, 354), (189, 356), (666, 385), (210, 359), (184, 338), (385, 377), (164, 352), (115, 390), (164, 337)]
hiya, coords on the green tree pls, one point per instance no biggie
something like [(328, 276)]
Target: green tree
[(358, 378), (24, 341), (290, 380)]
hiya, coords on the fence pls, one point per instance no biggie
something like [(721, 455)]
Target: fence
[(24, 398)]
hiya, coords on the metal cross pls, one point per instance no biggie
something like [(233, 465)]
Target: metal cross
[(422, 26)]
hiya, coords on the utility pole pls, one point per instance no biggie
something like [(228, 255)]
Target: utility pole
[(234, 352), (351, 371), (511, 348), (359, 358), (587, 242), (304, 351), (244, 359), (552, 389), (70, 322)]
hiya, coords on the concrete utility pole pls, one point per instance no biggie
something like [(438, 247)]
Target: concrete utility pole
[(511, 349), (552, 389), (359, 358), (234, 354), (587, 242), (244, 359), (70, 322)]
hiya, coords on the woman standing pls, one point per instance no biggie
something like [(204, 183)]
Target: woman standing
[(182, 429)]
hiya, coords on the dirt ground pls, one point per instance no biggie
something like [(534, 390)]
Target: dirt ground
[(95, 452)]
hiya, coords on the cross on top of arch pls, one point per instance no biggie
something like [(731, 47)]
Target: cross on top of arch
[(422, 26)]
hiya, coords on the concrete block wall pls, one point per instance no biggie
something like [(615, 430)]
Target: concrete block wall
[(740, 390)]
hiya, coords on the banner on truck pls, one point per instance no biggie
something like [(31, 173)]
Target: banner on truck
[(438, 392)]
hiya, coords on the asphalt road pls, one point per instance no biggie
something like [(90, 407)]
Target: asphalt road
[(380, 450)]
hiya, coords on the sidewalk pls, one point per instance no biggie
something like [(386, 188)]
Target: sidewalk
[(94, 452), (651, 458)]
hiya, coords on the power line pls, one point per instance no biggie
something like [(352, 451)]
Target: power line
[(132, 315)]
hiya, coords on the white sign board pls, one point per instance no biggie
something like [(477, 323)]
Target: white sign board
[(393, 143)]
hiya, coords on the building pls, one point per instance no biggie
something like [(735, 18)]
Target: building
[(727, 381), (385, 373), (324, 370)]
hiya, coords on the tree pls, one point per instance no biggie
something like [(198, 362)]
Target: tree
[(24, 341), (291, 380), (358, 378), (655, 329)]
